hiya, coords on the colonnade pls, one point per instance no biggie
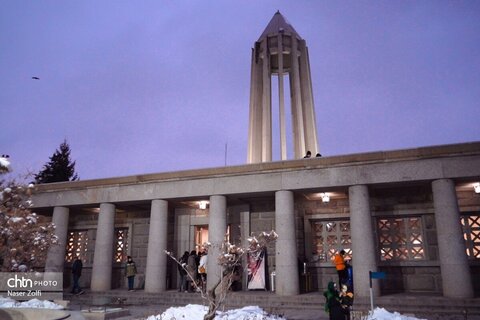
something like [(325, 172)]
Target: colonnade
[(455, 273)]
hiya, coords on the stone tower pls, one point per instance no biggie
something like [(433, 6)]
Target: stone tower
[(279, 51)]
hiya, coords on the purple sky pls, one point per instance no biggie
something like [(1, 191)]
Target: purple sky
[(152, 86)]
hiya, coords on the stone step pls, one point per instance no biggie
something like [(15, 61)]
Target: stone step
[(427, 306)]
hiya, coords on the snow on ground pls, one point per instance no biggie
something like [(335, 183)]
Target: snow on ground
[(382, 314), (34, 303), (196, 312), (4, 164)]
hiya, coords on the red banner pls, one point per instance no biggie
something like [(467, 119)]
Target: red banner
[(256, 270)]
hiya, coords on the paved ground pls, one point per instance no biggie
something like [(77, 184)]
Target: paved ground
[(141, 312)]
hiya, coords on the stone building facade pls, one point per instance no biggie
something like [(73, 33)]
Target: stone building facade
[(411, 213)]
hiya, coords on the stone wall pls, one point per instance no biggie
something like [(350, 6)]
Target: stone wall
[(469, 203), (402, 276), (475, 270), (411, 279), (138, 224), (320, 273), (409, 276), (392, 202)]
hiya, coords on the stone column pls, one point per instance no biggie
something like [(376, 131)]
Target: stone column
[(217, 227), (245, 234), (56, 253), (296, 102), (281, 100), (286, 268), (363, 243), (309, 118), (156, 271), (256, 113), (266, 106), (456, 277), (103, 255)]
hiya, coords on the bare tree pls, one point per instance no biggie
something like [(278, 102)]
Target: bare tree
[(24, 236), (229, 259)]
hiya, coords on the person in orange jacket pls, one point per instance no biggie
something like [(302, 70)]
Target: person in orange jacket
[(339, 262)]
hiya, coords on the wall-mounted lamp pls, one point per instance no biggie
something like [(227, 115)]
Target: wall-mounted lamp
[(325, 197), (203, 204), (476, 187)]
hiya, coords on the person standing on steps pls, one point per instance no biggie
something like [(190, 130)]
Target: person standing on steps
[(130, 272), (192, 271), (77, 267), (202, 270), (183, 273)]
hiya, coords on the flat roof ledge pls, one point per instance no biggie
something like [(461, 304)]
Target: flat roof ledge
[(452, 150)]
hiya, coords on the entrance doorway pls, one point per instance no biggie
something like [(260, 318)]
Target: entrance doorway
[(201, 237)]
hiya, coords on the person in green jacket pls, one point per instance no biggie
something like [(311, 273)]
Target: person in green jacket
[(332, 303), (130, 272)]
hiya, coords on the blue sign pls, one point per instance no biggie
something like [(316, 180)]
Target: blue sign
[(377, 275)]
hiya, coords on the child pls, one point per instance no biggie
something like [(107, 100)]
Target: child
[(346, 300)]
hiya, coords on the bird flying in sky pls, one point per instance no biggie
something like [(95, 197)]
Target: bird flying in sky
[(35, 78)]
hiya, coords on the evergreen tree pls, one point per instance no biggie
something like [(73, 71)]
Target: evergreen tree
[(59, 168)]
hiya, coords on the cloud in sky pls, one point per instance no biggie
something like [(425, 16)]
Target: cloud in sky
[(155, 86)]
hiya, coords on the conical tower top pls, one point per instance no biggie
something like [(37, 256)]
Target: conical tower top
[(278, 24)]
